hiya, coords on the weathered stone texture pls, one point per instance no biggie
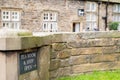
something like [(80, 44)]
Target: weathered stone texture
[(64, 54), (12, 71), (59, 46), (91, 50), (82, 59), (66, 71), (44, 63), (96, 66), (65, 63), (84, 53), (29, 76), (3, 66), (54, 64), (92, 43), (103, 58)]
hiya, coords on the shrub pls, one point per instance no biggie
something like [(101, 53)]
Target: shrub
[(113, 25)]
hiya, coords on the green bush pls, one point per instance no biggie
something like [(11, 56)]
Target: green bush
[(113, 25)]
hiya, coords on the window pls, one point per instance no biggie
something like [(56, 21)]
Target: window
[(116, 18), (116, 8), (90, 17), (116, 13), (91, 7), (80, 12), (91, 21), (50, 22), (11, 19)]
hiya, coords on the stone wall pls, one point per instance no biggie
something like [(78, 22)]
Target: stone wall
[(59, 54), (84, 53)]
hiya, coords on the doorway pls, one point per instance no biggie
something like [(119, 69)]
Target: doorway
[(76, 27)]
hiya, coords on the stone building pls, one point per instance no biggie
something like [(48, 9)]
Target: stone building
[(59, 15)]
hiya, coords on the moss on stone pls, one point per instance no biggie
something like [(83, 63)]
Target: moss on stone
[(24, 33)]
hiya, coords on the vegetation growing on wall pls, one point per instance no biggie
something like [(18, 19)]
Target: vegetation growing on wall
[(113, 25)]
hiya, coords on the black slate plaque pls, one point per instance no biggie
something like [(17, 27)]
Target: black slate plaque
[(28, 62)]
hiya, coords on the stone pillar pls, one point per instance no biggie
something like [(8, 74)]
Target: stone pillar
[(11, 66), (23, 56), (13, 43), (2, 66), (44, 60)]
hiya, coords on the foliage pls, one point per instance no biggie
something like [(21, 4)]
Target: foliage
[(113, 25), (97, 75)]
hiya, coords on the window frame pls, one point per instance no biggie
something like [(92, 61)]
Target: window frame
[(81, 12), (89, 6), (11, 22), (91, 21), (91, 17), (51, 22), (116, 8)]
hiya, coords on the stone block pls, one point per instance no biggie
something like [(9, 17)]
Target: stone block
[(65, 63), (109, 49), (66, 71), (53, 55), (54, 64), (64, 54), (92, 35), (68, 37), (81, 59), (103, 58), (59, 46), (92, 43), (117, 57), (84, 68), (90, 50), (53, 74), (57, 38), (30, 76), (118, 41)]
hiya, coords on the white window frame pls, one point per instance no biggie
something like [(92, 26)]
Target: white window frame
[(13, 21), (89, 6), (116, 18), (91, 17), (5, 15), (50, 22), (116, 8)]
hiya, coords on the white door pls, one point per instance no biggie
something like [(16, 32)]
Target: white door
[(77, 27)]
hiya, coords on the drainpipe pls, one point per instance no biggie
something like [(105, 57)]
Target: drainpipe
[(106, 18), (99, 14)]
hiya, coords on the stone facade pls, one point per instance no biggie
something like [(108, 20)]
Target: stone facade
[(66, 10)]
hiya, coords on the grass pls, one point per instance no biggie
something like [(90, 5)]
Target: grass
[(97, 75)]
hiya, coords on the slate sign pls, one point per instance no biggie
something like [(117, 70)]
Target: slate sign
[(28, 62)]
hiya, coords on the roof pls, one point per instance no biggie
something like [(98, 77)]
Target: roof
[(114, 1)]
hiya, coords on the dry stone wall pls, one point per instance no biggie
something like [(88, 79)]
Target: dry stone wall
[(85, 53)]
